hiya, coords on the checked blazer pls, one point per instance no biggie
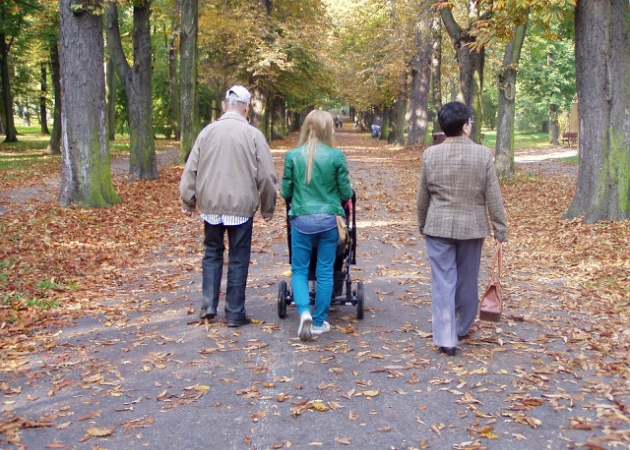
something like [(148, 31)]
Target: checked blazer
[(458, 190)]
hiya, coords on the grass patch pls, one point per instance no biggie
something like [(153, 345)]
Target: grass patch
[(49, 284), (521, 140), (575, 160), (43, 303)]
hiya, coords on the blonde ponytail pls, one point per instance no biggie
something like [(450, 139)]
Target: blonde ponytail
[(318, 126)]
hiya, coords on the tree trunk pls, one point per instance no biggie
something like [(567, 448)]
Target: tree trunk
[(553, 125), (110, 86), (602, 57), (436, 70), (54, 145), (259, 100), (278, 122), (43, 116), (7, 97), (172, 77), (137, 84), (504, 154), (470, 64), (420, 77), (396, 134), (189, 105), (85, 171)]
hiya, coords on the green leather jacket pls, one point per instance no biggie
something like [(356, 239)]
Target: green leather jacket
[(329, 186)]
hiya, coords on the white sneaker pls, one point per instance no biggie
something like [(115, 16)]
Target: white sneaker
[(323, 328), (304, 330)]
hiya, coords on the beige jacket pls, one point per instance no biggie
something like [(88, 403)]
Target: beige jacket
[(458, 190), (230, 170)]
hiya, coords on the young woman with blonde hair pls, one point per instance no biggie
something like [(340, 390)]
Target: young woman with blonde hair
[(316, 182)]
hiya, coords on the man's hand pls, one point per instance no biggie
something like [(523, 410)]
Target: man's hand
[(187, 212)]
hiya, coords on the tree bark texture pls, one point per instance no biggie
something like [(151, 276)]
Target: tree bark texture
[(137, 84), (85, 171), (278, 122), (420, 77), (7, 97), (54, 145), (504, 154), (43, 115), (436, 70), (257, 110), (470, 64), (110, 89), (553, 125), (396, 134), (602, 56), (174, 83), (189, 93)]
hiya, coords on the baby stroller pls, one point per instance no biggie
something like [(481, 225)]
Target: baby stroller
[(346, 255)]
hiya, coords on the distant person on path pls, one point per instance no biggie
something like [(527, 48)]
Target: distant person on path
[(376, 131), (458, 188), (316, 182), (229, 174)]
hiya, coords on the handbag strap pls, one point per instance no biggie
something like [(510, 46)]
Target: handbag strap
[(497, 259)]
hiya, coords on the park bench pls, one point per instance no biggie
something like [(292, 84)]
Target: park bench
[(569, 138)]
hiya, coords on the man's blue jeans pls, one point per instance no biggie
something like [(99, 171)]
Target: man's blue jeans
[(301, 250), (240, 246)]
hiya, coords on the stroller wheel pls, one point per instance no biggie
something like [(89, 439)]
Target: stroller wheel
[(282, 299), (360, 300)]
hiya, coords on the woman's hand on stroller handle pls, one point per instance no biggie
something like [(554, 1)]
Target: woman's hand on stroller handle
[(348, 207)]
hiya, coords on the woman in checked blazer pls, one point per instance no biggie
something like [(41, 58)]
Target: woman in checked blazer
[(458, 190)]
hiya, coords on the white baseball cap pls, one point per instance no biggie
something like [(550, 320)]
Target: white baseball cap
[(239, 92)]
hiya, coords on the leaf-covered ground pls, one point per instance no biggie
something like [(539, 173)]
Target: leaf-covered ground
[(101, 348)]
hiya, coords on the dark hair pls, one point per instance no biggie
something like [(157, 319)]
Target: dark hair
[(452, 118)]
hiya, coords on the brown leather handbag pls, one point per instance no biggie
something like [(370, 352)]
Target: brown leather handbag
[(491, 305)]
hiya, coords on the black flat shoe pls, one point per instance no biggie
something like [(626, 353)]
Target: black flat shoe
[(207, 314), (238, 323), (461, 338), (450, 351)]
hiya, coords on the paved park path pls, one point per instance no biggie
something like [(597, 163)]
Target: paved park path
[(145, 374)]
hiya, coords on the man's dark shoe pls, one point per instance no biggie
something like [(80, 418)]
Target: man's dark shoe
[(461, 338), (450, 351), (209, 314), (238, 323)]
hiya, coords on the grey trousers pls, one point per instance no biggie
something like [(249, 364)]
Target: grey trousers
[(454, 286)]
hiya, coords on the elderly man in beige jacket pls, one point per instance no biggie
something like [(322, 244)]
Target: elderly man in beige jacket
[(458, 189), (229, 175)]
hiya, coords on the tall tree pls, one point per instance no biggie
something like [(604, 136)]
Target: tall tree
[(173, 59), (11, 21), (602, 57), (54, 144), (421, 75), (262, 94), (397, 119), (189, 91), (110, 95), (506, 84), (85, 171), (137, 84), (43, 115), (436, 70), (470, 59), (546, 76)]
